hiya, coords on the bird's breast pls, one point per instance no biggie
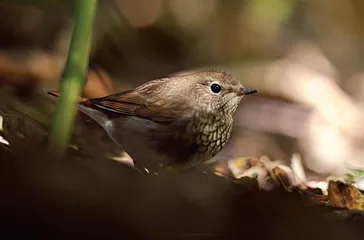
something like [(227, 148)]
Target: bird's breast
[(212, 133)]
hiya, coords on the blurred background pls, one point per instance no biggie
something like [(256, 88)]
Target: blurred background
[(304, 56)]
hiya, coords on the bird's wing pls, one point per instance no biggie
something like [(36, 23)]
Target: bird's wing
[(145, 102)]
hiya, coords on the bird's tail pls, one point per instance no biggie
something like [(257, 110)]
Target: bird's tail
[(57, 94), (86, 107)]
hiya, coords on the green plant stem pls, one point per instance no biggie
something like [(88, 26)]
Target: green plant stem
[(73, 77)]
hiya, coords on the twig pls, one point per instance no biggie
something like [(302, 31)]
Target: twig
[(73, 78)]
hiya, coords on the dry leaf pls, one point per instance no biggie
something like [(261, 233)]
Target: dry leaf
[(344, 195)]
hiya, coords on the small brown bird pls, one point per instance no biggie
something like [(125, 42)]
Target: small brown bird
[(178, 121)]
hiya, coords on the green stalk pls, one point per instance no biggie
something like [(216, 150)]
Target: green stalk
[(73, 77)]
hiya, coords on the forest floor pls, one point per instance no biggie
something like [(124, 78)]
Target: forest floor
[(90, 193)]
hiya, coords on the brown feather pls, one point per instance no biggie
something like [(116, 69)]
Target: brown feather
[(144, 101), (127, 103), (57, 94)]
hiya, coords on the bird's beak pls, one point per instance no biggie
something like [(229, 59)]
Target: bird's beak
[(247, 91)]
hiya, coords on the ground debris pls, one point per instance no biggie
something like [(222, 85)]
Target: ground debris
[(341, 198), (344, 195)]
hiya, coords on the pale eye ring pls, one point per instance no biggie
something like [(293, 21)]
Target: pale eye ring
[(215, 88)]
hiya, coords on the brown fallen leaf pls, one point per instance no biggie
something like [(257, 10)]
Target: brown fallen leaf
[(320, 198), (344, 195), (283, 178)]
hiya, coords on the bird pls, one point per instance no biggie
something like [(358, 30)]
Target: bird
[(174, 122)]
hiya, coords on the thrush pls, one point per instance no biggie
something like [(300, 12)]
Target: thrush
[(173, 122)]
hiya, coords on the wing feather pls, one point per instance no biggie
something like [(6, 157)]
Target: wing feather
[(145, 102)]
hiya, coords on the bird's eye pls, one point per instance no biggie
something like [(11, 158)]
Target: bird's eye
[(215, 88)]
